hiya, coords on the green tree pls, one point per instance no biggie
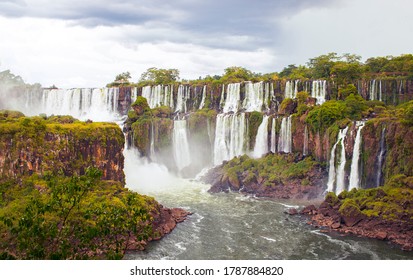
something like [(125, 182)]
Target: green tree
[(237, 74), (121, 79), (159, 76), (321, 66)]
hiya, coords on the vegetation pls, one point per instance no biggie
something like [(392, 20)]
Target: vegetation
[(273, 168), (121, 80), (159, 76), (78, 217), (390, 202)]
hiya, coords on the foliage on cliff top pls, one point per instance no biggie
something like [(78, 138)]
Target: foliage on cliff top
[(273, 168), (354, 107), (37, 127), (158, 76), (79, 217), (392, 202)]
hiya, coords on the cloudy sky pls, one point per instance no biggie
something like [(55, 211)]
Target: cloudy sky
[(85, 43)]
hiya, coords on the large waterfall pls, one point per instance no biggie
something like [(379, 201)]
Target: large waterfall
[(261, 141), (319, 91), (255, 97), (355, 166), (184, 93), (232, 100), (337, 177), (97, 104), (291, 89), (180, 145), (285, 139), (230, 137)]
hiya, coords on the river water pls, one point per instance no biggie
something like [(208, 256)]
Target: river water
[(233, 226)]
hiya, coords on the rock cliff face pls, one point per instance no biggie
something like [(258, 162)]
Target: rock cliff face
[(34, 145), (277, 176)]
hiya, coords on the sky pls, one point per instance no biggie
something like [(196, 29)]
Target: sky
[(86, 43)]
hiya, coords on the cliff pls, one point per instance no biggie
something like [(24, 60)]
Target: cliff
[(282, 176), (59, 144)]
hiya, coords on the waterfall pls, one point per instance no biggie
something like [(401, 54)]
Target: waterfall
[(372, 94), (254, 97), (305, 144), (261, 141), (285, 139), (180, 145), (354, 170), (230, 134), (291, 89), (319, 91), (134, 94), (154, 95), (380, 92), (184, 93), (273, 137), (231, 103), (380, 157), (203, 98), (97, 104), (333, 176)]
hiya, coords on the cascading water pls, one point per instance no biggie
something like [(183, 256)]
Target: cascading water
[(285, 139), (202, 104), (184, 93), (232, 100), (154, 95), (319, 91), (305, 144), (354, 170), (180, 145), (261, 141), (380, 158), (372, 93), (291, 89), (229, 226), (337, 177), (254, 97), (96, 104), (230, 134), (273, 137)]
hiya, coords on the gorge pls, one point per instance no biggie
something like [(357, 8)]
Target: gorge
[(280, 142)]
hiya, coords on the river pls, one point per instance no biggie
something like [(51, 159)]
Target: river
[(234, 226)]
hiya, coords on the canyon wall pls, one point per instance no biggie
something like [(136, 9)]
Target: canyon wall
[(35, 145)]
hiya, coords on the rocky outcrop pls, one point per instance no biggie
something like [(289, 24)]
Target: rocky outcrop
[(328, 217), (34, 145), (302, 179), (166, 219)]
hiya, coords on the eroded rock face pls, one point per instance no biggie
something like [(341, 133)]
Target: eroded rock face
[(251, 182), (68, 148)]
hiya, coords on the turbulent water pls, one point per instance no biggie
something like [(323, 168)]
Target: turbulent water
[(232, 226), (223, 226)]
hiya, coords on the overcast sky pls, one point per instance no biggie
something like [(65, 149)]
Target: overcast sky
[(86, 43)]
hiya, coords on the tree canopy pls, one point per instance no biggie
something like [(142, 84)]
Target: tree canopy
[(159, 76)]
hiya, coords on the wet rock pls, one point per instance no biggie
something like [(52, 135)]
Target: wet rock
[(309, 210)]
